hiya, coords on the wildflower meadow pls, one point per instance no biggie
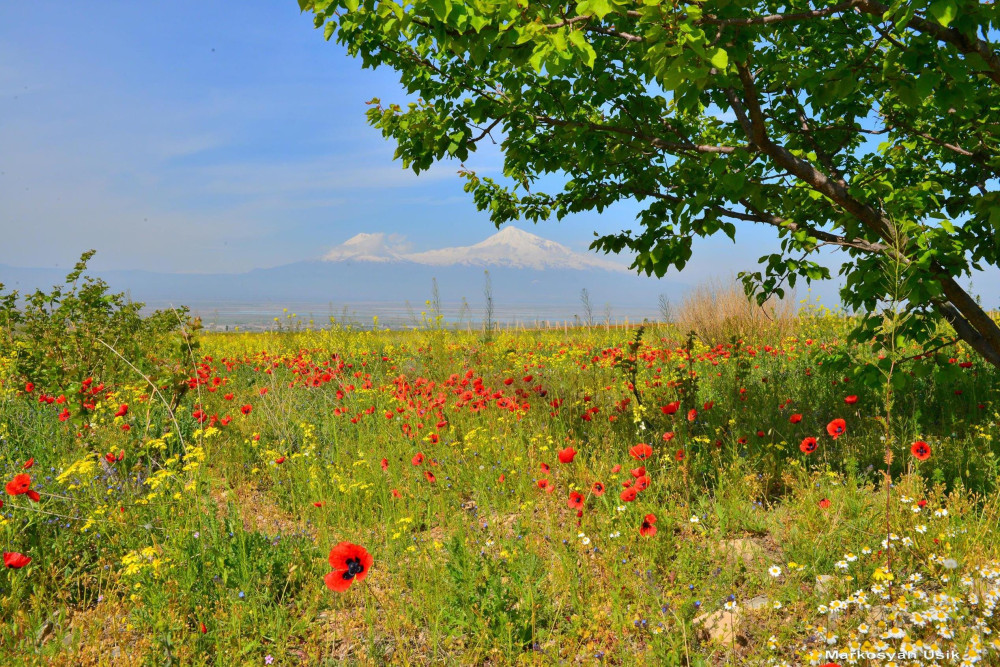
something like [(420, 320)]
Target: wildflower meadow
[(318, 495), (625, 440)]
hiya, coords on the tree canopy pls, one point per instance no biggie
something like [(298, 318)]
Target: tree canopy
[(860, 125)]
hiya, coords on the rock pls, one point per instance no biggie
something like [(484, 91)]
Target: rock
[(759, 602), (746, 550), (877, 614), (720, 627), (824, 583)]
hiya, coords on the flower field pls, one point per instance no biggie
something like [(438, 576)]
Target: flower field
[(534, 497)]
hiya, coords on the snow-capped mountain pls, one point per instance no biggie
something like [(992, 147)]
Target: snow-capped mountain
[(376, 271), (364, 247), (509, 248)]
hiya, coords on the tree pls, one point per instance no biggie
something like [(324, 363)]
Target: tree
[(866, 127)]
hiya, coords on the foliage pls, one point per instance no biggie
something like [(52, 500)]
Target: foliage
[(221, 513), (856, 125), (81, 330)]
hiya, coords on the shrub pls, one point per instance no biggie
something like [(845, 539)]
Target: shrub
[(81, 330)]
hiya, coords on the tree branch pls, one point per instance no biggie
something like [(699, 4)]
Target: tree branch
[(778, 18), (968, 318), (964, 44), (662, 144)]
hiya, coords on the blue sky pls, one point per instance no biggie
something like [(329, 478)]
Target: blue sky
[(218, 137), (194, 136)]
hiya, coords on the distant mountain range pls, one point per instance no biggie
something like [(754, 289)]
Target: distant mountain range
[(373, 268), (509, 248)]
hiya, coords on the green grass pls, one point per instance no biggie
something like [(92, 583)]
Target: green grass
[(199, 524)]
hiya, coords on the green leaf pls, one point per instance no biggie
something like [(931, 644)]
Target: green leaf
[(599, 8), (720, 58), (441, 8), (943, 11), (578, 40)]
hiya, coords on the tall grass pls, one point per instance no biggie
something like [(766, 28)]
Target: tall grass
[(719, 311)]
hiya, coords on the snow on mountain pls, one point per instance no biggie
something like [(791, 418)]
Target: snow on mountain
[(376, 247), (510, 248)]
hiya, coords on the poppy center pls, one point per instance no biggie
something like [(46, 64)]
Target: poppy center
[(354, 567)]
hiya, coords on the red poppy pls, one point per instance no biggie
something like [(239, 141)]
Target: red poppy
[(679, 455), (29, 387), (566, 455), (543, 483), (642, 483), (350, 562), (597, 489), (642, 451), (670, 408), (545, 467), (204, 630), (668, 436), (824, 503), (246, 409), (229, 397), (430, 476), (279, 460), (434, 439), (628, 495), (417, 459), (851, 400), (30, 462), (122, 411), (638, 472), (921, 450), (647, 529), (795, 419), (808, 445), (616, 468), (396, 494), (502, 478), (110, 458), (21, 484), (15, 560), (64, 415), (385, 464), (575, 500), (317, 504), (692, 414), (836, 428), (708, 406)]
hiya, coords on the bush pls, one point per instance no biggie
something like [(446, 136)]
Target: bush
[(80, 330)]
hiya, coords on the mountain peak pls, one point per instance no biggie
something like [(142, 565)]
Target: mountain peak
[(364, 247), (510, 247)]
